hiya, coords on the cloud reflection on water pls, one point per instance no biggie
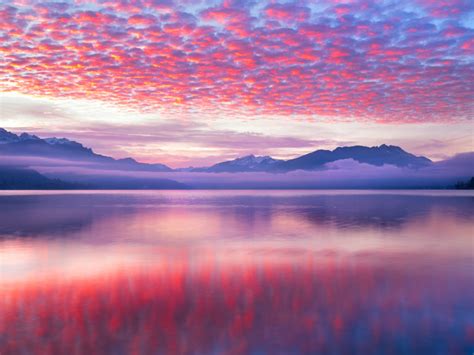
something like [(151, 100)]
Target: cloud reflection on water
[(236, 272)]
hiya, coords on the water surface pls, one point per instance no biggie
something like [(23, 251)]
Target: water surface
[(260, 272)]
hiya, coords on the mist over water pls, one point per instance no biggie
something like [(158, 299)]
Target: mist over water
[(264, 272), (341, 174)]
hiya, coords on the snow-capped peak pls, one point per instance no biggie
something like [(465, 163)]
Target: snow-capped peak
[(252, 160), (54, 141)]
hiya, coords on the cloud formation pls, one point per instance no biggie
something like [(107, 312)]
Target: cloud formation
[(387, 61)]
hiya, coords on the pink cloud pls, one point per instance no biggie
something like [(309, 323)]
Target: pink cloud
[(287, 12), (240, 57)]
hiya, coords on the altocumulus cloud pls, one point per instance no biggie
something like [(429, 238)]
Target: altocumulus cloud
[(389, 61)]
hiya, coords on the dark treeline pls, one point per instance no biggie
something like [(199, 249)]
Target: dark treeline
[(12, 178), (468, 185)]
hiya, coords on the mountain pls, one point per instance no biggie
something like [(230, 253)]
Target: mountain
[(378, 156), (249, 163), (72, 166), (7, 137), (61, 148)]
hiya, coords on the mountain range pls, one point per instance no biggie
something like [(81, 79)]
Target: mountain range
[(30, 162), (377, 156), (62, 148)]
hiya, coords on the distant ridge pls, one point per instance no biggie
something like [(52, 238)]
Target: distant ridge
[(63, 148), (12, 178), (378, 156), (31, 162)]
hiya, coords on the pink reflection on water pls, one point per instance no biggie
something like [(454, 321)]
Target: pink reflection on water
[(217, 272), (238, 303)]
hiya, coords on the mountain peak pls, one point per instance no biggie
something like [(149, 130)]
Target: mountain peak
[(54, 140), (250, 156), (26, 136), (390, 147), (253, 158), (127, 160), (247, 163), (7, 137)]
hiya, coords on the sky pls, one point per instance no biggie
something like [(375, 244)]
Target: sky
[(194, 82)]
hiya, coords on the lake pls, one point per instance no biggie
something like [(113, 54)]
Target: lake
[(232, 272)]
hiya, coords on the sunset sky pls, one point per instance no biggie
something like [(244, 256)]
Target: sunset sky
[(194, 82)]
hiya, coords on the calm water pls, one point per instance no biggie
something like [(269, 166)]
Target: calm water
[(201, 272)]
